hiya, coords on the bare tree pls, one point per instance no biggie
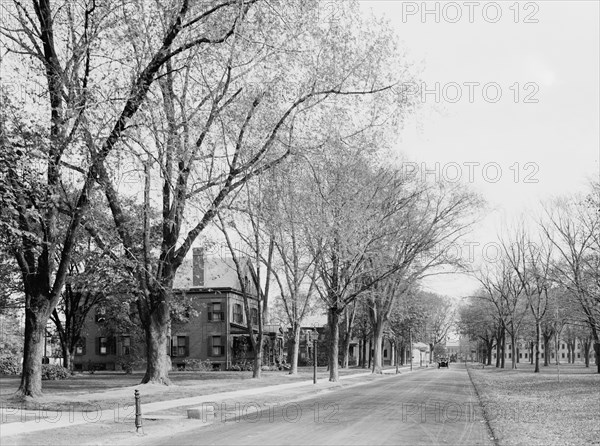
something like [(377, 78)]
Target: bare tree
[(477, 319), (440, 318), (572, 225), (503, 289), (531, 261)]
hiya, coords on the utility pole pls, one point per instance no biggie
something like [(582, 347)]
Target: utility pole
[(411, 349), (316, 335)]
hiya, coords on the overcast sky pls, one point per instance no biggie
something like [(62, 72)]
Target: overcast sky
[(524, 92)]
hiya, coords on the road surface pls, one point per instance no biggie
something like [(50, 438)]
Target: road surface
[(432, 407)]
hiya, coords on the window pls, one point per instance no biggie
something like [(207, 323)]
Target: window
[(578, 355), (103, 346), (100, 314), (216, 346), (520, 355), (106, 346), (254, 312), (125, 345), (542, 356), (80, 347), (215, 312), (563, 346), (510, 347), (385, 353), (238, 317), (180, 346), (563, 356)]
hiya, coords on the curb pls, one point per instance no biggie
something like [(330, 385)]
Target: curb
[(490, 430)]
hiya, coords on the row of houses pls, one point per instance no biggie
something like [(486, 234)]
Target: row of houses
[(217, 331)]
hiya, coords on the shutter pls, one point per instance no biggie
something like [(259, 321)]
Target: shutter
[(83, 342), (112, 346), (97, 345), (210, 318), (209, 346), (169, 346), (187, 346), (223, 344)]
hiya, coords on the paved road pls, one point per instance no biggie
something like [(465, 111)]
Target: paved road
[(433, 407)]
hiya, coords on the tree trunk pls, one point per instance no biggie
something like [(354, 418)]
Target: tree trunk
[(586, 351), (498, 351), (538, 339), (68, 357), (364, 352), (158, 363), (503, 357), (360, 360), (334, 339), (532, 349), (546, 351), (378, 349), (370, 351), (346, 351), (513, 348), (597, 350), (35, 331), (258, 354), (295, 350)]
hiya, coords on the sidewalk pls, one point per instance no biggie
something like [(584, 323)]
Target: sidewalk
[(32, 421)]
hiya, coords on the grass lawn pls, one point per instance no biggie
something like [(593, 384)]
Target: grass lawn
[(526, 408), (106, 389)]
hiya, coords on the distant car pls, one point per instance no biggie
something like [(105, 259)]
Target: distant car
[(443, 362)]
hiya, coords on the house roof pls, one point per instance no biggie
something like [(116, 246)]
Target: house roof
[(219, 272)]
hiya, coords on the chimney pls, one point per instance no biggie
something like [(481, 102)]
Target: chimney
[(198, 267)]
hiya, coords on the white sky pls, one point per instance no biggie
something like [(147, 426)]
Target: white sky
[(559, 134)]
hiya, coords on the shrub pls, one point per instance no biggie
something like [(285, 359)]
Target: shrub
[(243, 366), (127, 364), (197, 365), (53, 372), (10, 365)]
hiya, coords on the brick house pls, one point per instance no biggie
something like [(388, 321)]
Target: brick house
[(215, 329), (98, 350)]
